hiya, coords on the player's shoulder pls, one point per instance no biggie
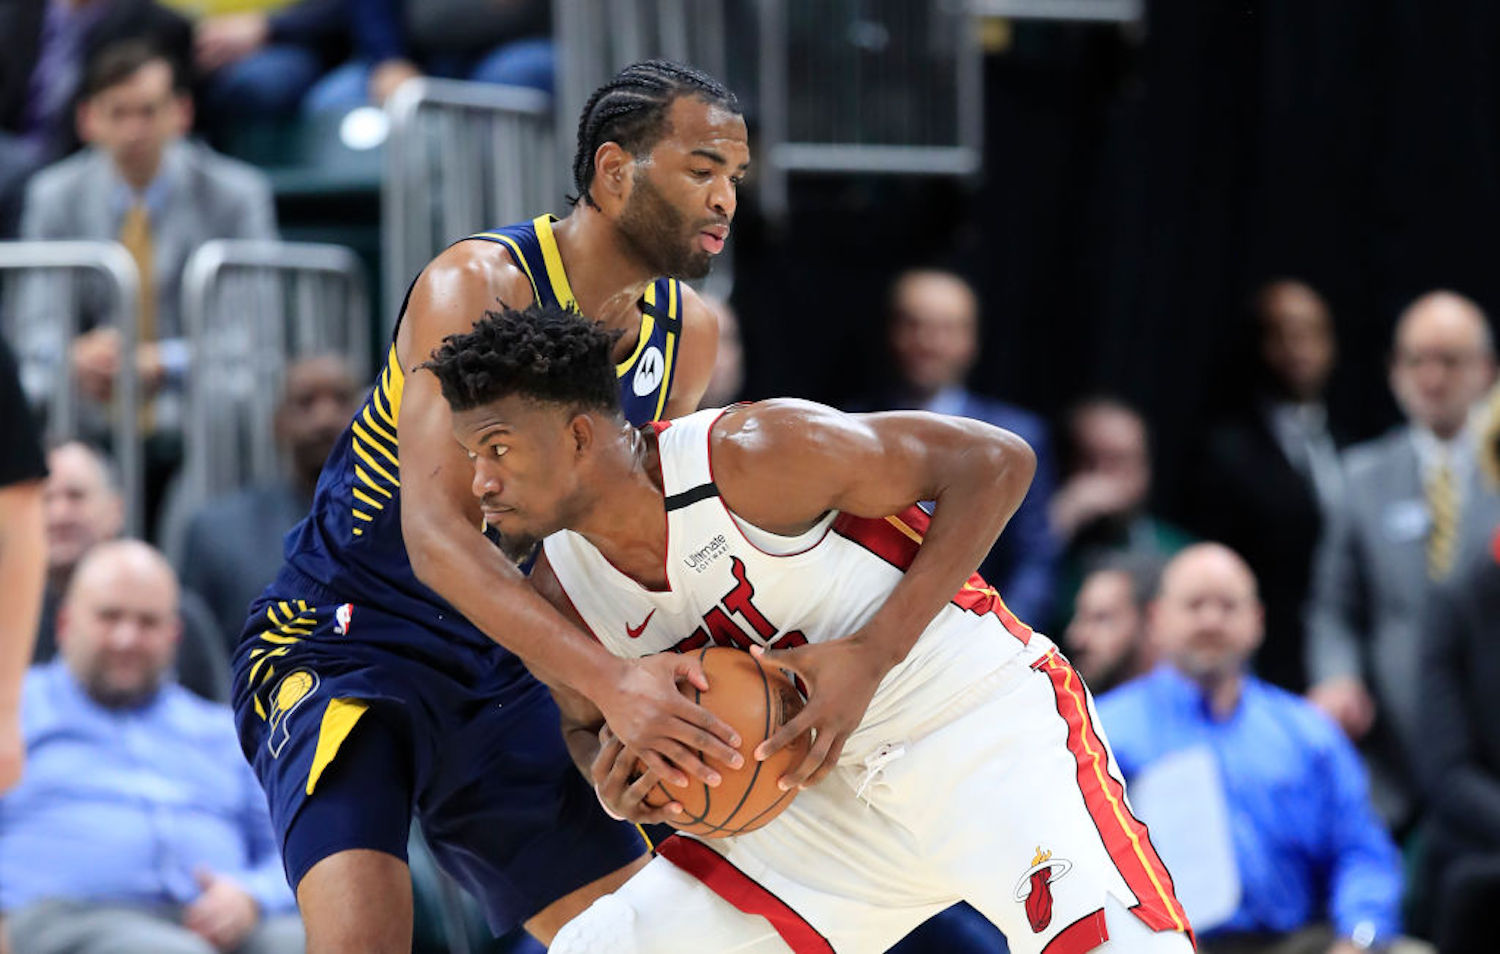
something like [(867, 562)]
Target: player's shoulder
[(762, 427), (461, 282)]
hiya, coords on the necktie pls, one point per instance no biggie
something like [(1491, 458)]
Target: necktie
[(1442, 507), (135, 235)]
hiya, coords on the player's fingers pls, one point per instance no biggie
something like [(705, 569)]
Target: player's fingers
[(607, 757), (790, 732), (684, 760), (830, 761), (701, 729), (646, 814), (665, 770), (810, 763), (789, 659), (690, 667)]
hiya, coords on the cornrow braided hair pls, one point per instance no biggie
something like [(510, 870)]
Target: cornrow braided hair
[(631, 109), (543, 352)]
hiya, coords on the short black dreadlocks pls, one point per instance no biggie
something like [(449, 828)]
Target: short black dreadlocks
[(631, 109), (543, 352)]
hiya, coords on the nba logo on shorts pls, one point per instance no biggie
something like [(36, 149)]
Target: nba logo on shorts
[(1035, 888), (294, 687), (342, 617), (648, 372)]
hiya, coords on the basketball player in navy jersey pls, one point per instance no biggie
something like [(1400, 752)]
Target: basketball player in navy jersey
[(384, 674)]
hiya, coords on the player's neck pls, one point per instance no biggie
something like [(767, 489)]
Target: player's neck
[(606, 277), (627, 522)]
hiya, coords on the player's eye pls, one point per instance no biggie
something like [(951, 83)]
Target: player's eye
[(736, 181), (702, 173), (499, 449)]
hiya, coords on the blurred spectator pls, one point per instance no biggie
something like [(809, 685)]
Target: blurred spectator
[(728, 378), (1405, 521), (48, 45), (139, 828), (1099, 511), (233, 545), (22, 560), (1271, 471), (1459, 758), (83, 509), (934, 340), (161, 197), (486, 41), (260, 63), (1107, 639), (1315, 868)]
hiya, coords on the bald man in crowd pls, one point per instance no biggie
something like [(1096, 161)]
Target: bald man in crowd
[(82, 508), (1315, 870), (1413, 509), (137, 828)]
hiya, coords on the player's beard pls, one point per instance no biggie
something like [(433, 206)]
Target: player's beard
[(658, 233)]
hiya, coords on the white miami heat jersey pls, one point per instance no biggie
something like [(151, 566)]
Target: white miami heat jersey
[(733, 584)]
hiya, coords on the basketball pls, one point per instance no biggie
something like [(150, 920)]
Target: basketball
[(756, 700)]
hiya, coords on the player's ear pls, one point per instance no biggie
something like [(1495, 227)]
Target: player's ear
[(613, 169), (581, 431)]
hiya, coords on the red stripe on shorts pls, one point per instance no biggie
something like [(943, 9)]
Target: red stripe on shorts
[(740, 890), (1080, 937), (1125, 838)]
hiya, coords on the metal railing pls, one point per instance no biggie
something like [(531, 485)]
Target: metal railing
[(57, 288), (249, 309), (1106, 11), (881, 86), (461, 157)]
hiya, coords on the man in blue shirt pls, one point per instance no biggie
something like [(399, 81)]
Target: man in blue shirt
[(1317, 872), (137, 827)]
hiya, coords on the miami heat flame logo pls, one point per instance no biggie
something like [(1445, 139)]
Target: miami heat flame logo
[(1035, 887)]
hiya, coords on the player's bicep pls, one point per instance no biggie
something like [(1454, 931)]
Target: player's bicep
[(868, 465)]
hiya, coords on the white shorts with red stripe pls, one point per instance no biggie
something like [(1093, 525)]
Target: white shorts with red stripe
[(1015, 806)]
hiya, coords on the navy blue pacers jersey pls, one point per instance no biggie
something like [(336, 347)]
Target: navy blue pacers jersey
[(350, 548)]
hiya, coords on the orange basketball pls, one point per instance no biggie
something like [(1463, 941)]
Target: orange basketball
[(756, 700)]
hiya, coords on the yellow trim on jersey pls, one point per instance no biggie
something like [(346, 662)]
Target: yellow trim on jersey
[(648, 324), (377, 429), (1098, 761), (370, 482), (385, 415), (364, 456), (552, 259), (365, 498), (339, 720), (666, 377), (396, 385), (517, 257), (363, 435), (900, 524)]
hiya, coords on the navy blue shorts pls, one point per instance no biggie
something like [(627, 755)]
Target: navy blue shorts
[(356, 721)]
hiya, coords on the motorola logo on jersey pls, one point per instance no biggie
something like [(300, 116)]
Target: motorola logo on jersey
[(648, 372)]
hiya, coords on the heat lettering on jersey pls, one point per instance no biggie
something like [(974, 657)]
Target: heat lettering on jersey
[(718, 628)]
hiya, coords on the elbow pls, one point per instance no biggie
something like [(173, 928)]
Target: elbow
[(1013, 463)]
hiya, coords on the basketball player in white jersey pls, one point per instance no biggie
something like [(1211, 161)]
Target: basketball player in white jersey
[(978, 772)]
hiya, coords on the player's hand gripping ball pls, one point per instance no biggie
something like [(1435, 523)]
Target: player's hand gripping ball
[(757, 700)]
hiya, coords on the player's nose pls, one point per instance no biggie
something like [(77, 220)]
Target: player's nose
[(486, 482)]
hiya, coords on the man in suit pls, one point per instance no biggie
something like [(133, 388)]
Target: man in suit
[(1460, 755), (233, 545), (1408, 518), (47, 46), (1271, 470), (934, 340), (160, 196)]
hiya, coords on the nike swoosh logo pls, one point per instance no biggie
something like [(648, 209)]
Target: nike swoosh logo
[(634, 632)]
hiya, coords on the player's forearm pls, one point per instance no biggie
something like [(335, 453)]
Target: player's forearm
[(984, 483), (468, 571), (23, 566)]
